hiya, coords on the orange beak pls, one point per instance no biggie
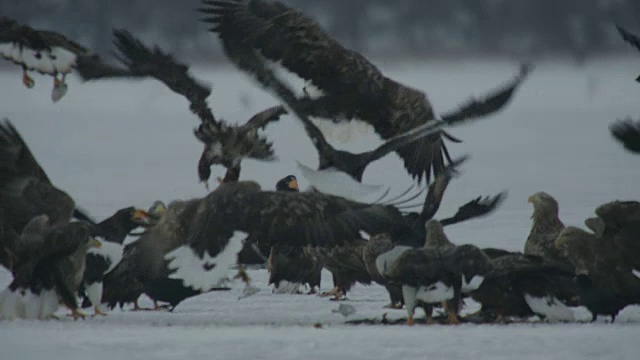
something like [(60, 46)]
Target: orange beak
[(293, 184)]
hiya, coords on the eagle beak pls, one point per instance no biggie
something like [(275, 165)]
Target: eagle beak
[(531, 199), (293, 184), (141, 217), (95, 243)]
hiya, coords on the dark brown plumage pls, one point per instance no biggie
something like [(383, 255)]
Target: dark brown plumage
[(47, 270), (630, 38), (25, 189), (352, 86), (627, 132), (545, 227), (609, 258), (224, 144), (293, 265), (523, 285)]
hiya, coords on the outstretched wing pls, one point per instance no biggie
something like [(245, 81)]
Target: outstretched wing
[(631, 38), (476, 208), (15, 157), (627, 132), (287, 218), (287, 35), (264, 118)]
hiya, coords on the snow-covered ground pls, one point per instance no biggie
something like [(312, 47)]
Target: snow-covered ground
[(117, 144)]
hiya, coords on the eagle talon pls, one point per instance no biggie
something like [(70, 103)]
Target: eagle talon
[(27, 80), (97, 311), (77, 314)]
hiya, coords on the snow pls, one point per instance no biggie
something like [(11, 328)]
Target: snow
[(117, 144)]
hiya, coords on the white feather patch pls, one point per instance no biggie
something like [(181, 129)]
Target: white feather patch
[(338, 183), (192, 269), (29, 59), (365, 235), (94, 293), (636, 273), (45, 64), (473, 284), (62, 59), (16, 53), (435, 293), (344, 131), (5, 50), (385, 260), (409, 295), (549, 306), (286, 287), (109, 250), (312, 91), (23, 304)]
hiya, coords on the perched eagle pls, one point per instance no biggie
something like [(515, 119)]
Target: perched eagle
[(627, 132), (255, 31), (522, 285), (224, 144), (609, 258), (48, 263), (545, 228), (632, 39), (111, 232), (440, 272), (289, 266), (47, 52)]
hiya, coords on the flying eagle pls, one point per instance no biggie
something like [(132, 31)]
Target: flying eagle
[(545, 228), (255, 31), (47, 269), (224, 144), (630, 38), (47, 52), (627, 132)]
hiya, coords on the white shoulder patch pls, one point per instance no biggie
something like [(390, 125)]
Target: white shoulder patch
[(384, 260), (473, 284), (636, 273), (109, 250), (549, 306), (204, 273), (338, 183)]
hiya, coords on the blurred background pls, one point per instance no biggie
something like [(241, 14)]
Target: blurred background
[(578, 29)]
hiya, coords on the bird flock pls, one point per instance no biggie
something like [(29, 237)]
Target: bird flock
[(59, 255)]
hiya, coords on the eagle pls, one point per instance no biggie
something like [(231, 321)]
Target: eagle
[(257, 33), (47, 52), (630, 38), (289, 267), (177, 258), (356, 260), (224, 144), (111, 233), (47, 267), (545, 228), (439, 272), (608, 259), (627, 132), (521, 285)]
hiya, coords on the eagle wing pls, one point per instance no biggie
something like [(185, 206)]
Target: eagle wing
[(15, 156), (627, 132), (286, 218), (629, 37), (264, 118)]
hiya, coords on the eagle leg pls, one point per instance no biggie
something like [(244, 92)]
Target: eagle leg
[(410, 321), (97, 311), (59, 87), (336, 292), (26, 79), (452, 315), (77, 314)]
